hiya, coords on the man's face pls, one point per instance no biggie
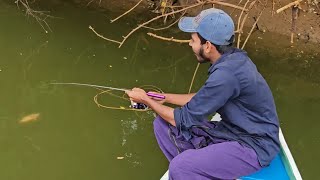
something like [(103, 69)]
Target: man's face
[(197, 48)]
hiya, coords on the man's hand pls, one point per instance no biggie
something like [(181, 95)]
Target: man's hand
[(140, 96), (137, 95)]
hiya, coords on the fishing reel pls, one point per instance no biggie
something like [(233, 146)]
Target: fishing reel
[(141, 106)]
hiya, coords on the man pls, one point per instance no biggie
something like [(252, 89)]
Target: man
[(246, 138)]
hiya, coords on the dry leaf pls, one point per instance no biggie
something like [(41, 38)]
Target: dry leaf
[(30, 118)]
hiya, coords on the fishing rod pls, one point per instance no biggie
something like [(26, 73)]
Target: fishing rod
[(112, 88), (133, 104)]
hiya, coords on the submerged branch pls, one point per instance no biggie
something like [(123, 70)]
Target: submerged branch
[(40, 16), (168, 39), (99, 35)]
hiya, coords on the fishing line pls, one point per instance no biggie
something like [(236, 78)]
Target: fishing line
[(136, 106)]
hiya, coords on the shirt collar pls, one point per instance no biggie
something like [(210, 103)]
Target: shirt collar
[(223, 58)]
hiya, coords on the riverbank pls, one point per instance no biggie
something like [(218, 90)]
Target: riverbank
[(307, 25)]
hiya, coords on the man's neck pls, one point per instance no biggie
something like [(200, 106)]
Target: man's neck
[(215, 58)]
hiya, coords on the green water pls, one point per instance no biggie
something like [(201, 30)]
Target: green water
[(75, 139)]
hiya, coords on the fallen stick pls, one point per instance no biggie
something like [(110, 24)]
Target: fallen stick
[(168, 39), (158, 29), (228, 5), (99, 35), (153, 19), (295, 13), (254, 25), (295, 3), (239, 20), (242, 23), (113, 20)]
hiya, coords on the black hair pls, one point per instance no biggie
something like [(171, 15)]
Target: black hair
[(220, 48)]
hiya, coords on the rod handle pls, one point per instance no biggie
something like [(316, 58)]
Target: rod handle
[(156, 95)]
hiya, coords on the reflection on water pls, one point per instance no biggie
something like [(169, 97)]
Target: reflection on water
[(75, 139), (128, 127)]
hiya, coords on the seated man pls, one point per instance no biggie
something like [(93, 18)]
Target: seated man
[(246, 138)]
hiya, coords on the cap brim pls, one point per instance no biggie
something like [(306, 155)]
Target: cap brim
[(186, 24)]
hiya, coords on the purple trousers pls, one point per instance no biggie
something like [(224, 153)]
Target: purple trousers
[(203, 157)]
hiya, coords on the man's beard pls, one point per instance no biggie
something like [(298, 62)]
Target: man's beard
[(203, 58)]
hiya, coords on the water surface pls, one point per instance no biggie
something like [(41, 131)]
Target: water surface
[(75, 139)]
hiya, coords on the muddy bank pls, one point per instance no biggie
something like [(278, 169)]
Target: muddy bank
[(306, 28), (307, 22)]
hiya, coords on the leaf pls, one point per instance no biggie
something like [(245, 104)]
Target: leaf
[(30, 118)]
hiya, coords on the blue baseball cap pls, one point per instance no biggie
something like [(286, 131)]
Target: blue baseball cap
[(212, 24)]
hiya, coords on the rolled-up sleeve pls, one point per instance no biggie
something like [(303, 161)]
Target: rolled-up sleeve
[(221, 86)]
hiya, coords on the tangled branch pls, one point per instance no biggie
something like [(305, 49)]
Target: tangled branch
[(181, 9), (39, 16)]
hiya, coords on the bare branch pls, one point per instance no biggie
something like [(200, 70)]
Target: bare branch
[(40, 16), (168, 39), (113, 20), (295, 3), (99, 35)]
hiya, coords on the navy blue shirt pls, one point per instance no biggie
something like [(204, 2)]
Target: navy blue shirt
[(237, 91)]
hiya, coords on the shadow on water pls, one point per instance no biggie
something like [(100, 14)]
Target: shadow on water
[(75, 139)]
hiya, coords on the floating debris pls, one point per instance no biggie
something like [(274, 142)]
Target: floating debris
[(120, 157), (125, 58), (30, 118), (110, 66)]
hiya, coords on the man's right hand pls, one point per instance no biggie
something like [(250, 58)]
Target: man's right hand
[(158, 100)]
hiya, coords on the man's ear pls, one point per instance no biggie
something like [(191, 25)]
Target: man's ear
[(209, 47)]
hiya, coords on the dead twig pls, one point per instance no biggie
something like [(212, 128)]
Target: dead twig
[(158, 17), (240, 31), (199, 3), (253, 26), (239, 19), (113, 20), (39, 16), (235, 9), (193, 77), (99, 35), (158, 29), (295, 13), (168, 39), (228, 5), (295, 3)]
